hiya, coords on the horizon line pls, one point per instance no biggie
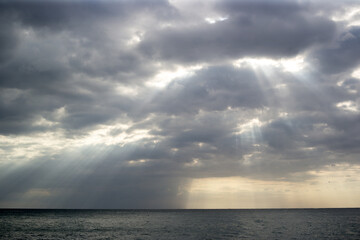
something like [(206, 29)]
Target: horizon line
[(179, 209)]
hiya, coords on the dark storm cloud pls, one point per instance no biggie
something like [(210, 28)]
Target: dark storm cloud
[(74, 37), (8, 39), (89, 36), (252, 29), (50, 49), (318, 130), (83, 105), (343, 56), (312, 93), (345, 139), (58, 15), (214, 88), (314, 119)]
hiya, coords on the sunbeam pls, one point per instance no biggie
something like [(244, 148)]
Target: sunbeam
[(173, 104)]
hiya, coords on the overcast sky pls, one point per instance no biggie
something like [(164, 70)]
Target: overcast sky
[(179, 104)]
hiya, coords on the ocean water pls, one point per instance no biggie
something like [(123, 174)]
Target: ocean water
[(181, 224)]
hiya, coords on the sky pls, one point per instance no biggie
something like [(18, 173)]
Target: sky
[(179, 104)]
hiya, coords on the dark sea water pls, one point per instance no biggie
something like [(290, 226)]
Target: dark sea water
[(181, 224)]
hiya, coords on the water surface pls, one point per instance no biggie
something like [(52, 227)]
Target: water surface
[(181, 224)]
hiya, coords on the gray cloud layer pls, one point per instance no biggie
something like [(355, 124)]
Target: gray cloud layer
[(252, 29), (70, 68)]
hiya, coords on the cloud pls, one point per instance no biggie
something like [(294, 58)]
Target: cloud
[(82, 123), (250, 29), (342, 56), (211, 89)]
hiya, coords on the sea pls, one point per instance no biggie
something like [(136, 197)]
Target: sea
[(180, 224)]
